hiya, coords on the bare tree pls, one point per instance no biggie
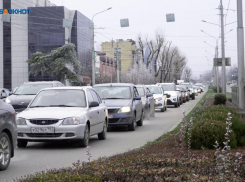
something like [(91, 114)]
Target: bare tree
[(187, 74)]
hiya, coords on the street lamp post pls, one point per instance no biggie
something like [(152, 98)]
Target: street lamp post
[(223, 49), (93, 61), (240, 52)]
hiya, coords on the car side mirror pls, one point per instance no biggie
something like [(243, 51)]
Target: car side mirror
[(137, 98), (149, 95), (93, 104), (3, 96), (10, 93)]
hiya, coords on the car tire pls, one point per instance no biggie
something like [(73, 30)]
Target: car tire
[(176, 105), (103, 134), (85, 141), (131, 127), (163, 109), (193, 97), (4, 140), (22, 143), (140, 122)]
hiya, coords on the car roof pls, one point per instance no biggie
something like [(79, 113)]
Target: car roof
[(153, 86), (166, 83), (68, 88), (42, 82), (114, 84)]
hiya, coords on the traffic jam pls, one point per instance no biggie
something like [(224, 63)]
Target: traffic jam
[(48, 111)]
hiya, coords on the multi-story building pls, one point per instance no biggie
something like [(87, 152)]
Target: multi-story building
[(122, 50), (41, 30)]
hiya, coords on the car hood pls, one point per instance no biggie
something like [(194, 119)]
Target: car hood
[(171, 92), (117, 102), (50, 112), (17, 99), (155, 96)]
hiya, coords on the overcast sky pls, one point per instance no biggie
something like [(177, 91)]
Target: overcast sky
[(147, 16)]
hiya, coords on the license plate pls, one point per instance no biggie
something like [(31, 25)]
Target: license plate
[(42, 130), (110, 116)]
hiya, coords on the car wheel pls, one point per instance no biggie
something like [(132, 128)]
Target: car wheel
[(140, 122), (5, 151), (85, 141), (22, 143), (131, 127), (193, 97), (103, 134), (176, 105), (163, 109)]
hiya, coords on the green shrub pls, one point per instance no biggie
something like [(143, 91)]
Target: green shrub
[(215, 89), (206, 132), (219, 99), (206, 120)]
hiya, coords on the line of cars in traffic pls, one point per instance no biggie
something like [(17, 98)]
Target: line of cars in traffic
[(49, 111)]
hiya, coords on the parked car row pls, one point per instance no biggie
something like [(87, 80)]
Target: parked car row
[(49, 111)]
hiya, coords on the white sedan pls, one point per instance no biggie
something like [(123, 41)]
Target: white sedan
[(63, 113)]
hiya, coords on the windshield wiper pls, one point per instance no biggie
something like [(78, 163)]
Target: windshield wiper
[(37, 106), (113, 98), (61, 106)]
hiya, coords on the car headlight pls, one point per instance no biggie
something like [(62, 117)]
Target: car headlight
[(71, 121), (20, 121), (158, 99), (125, 109), (8, 101)]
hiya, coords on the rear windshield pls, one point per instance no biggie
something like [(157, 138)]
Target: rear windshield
[(31, 89)]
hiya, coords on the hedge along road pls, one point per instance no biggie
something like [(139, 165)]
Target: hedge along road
[(41, 156)]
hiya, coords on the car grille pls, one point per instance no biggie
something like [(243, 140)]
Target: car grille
[(114, 120), (44, 122), (19, 106), (111, 111), (44, 135)]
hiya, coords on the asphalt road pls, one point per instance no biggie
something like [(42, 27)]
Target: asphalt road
[(42, 156)]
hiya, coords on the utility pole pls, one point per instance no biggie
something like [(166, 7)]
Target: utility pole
[(240, 52), (223, 49), (217, 68), (93, 66), (118, 79)]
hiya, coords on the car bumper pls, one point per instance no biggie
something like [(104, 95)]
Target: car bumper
[(120, 119), (61, 132), (172, 101)]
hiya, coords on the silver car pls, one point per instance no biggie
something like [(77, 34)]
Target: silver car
[(63, 113), (8, 134)]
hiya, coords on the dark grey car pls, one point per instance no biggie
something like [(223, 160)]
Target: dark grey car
[(23, 95), (147, 101), (8, 134), (123, 103)]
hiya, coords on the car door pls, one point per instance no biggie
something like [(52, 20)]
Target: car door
[(151, 100), (138, 104), (98, 125), (92, 113)]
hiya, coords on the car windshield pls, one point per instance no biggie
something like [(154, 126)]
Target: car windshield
[(114, 92), (141, 91), (60, 98), (31, 89), (187, 85), (155, 90), (168, 87)]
